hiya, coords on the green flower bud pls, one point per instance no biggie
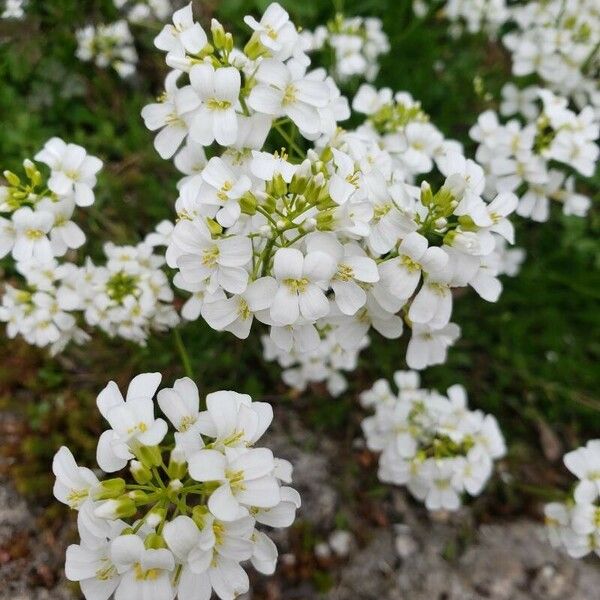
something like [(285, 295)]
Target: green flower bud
[(280, 187), (138, 496), (12, 178), (177, 465), (254, 48), (121, 508), (149, 456), (154, 541), (325, 221), (248, 203), (156, 516), (213, 226), (199, 514), (426, 194), (218, 34), (140, 473), (228, 42), (110, 488)]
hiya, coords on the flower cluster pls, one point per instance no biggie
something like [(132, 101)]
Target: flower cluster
[(355, 43), (38, 210), (558, 41), (14, 9), (536, 159), (129, 296), (108, 45), (189, 520), (319, 244), (138, 11), (477, 15), (574, 525), (431, 443)]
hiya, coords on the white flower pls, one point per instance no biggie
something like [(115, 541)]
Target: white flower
[(132, 421), (221, 261), (585, 464), (216, 119), (275, 30), (299, 292), (223, 188), (171, 115), (283, 92), (353, 268), (244, 479), (73, 171), (183, 36), (31, 235), (73, 483), (145, 572), (235, 314), (401, 275), (429, 346)]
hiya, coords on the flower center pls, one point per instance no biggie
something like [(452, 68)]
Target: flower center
[(289, 94), (149, 575), (120, 285), (296, 286), (409, 264), (210, 256), (244, 310), (186, 422), (34, 234), (216, 104), (344, 273), (225, 188)]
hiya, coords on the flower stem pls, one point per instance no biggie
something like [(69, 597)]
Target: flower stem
[(185, 359)]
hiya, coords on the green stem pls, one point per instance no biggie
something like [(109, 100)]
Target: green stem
[(185, 359), (289, 141)]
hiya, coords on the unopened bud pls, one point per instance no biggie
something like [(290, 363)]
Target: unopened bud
[(138, 496), (177, 465), (149, 456), (280, 187), (199, 514), (213, 226), (426, 194), (155, 517), (154, 541), (218, 34), (110, 488), (140, 473), (121, 508), (12, 178), (248, 203)]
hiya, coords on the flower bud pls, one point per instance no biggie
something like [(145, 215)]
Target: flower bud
[(177, 465), (248, 203), (12, 178), (218, 34), (155, 516), (110, 488), (199, 514), (140, 473), (149, 456), (121, 508), (280, 187), (228, 42), (213, 226), (426, 194), (254, 48), (154, 541), (138, 496), (324, 221)]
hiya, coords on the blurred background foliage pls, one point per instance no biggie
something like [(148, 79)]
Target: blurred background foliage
[(531, 359)]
